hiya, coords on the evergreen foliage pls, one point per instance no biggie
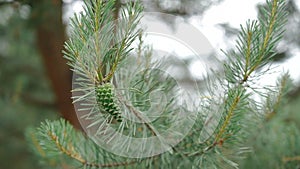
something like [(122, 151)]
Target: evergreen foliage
[(228, 118)]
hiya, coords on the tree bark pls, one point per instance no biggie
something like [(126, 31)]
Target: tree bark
[(50, 36)]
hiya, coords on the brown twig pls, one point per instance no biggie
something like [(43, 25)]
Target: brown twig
[(290, 159)]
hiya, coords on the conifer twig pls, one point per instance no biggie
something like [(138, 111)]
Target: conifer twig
[(233, 106), (266, 40), (72, 153), (137, 114), (290, 159)]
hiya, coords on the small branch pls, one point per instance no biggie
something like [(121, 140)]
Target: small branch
[(267, 37), (112, 164), (37, 145), (203, 151), (137, 114), (290, 159), (248, 55), (219, 140), (227, 120), (118, 57), (278, 99), (70, 151)]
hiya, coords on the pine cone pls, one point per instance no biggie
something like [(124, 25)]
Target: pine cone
[(106, 100)]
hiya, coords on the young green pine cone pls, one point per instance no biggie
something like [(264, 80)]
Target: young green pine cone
[(106, 100)]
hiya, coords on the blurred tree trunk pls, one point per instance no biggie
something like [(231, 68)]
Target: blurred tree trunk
[(50, 35)]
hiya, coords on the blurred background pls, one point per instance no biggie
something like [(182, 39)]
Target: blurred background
[(36, 82)]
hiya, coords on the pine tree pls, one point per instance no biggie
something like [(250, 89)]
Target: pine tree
[(218, 130)]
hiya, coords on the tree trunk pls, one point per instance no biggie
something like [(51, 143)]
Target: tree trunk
[(50, 34)]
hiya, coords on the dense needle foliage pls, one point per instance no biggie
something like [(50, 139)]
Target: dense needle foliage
[(228, 117)]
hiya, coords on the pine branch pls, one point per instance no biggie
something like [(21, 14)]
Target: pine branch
[(269, 35), (274, 99), (36, 144), (59, 137), (290, 159), (254, 46), (273, 103), (256, 43), (228, 118), (108, 41), (139, 115)]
